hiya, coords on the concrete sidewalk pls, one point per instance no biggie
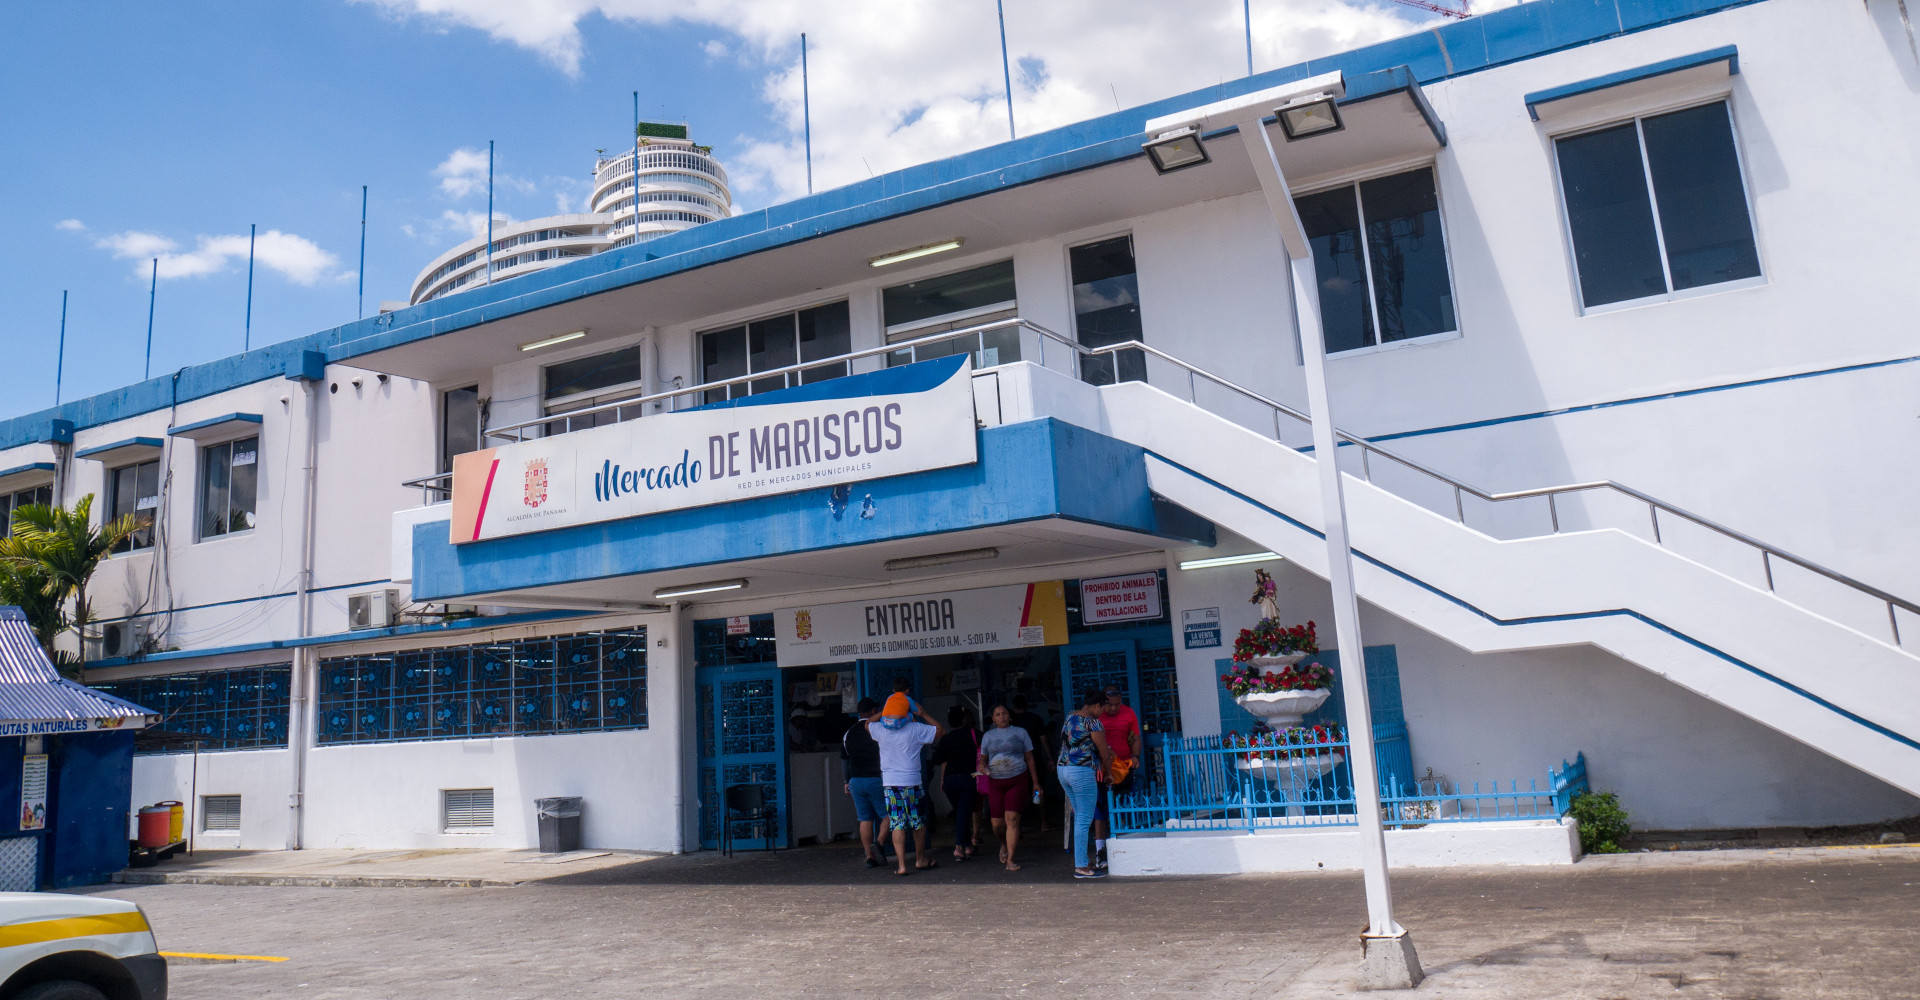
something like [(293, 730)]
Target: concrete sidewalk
[(409, 869)]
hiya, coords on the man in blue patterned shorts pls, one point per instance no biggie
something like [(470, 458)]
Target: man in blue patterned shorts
[(900, 775)]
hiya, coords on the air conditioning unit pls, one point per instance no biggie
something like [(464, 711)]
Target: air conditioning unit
[(373, 609), (124, 638)]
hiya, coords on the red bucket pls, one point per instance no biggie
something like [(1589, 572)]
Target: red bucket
[(156, 822)]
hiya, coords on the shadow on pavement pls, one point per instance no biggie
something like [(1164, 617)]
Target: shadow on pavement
[(832, 864)]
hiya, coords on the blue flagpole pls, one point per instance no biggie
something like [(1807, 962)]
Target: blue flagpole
[(489, 211), (363, 251), (806, 110), (636, 166), (246, 344), (1246, 11), (153, 285), (1006, 67), (60, 359)]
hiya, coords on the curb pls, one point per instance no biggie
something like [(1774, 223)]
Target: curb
[(314, 881)]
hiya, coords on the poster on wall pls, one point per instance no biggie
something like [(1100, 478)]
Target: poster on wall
[(1112, 599), (33, 792), (963, 621), (1200, 628), (885, 423)]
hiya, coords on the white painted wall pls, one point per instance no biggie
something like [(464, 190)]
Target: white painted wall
[(259, 777)]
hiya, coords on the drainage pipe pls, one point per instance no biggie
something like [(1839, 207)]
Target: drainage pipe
[(300, 714)]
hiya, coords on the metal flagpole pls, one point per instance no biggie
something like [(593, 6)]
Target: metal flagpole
[(489, 211), (1006, 67), (246, 344), (1246, 11), (636, 166), (153, 286), (363, 251), (60, 359), (806, 110)]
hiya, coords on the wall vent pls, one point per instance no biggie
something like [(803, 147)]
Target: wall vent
[(219, 812), (466, 809)]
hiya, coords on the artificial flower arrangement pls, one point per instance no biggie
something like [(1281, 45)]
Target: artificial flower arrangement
[(1296, 742), (1270, 638), (1245, 679)]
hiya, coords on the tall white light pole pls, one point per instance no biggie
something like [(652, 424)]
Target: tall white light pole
[(1388, 958)]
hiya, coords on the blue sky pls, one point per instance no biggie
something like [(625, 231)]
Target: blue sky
[(136, 129)]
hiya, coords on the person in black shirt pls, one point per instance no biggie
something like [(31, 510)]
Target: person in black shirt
[(861, 756), (958, 754)]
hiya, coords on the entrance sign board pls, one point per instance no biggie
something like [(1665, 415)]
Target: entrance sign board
[(1200, 628), (1120, 598), (965, 621), (885, 423)]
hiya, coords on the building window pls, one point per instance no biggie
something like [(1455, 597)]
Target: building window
[(229, 484), (243, 709), (776, 342), (460, 424), (1381, 260), (466, 810), (591, 682), (1106, 308), (584, 383), (974, 297), (134, 490), (10, 502), (1657, 206), (219, 813)]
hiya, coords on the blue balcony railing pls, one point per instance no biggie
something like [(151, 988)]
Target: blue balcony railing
[(1294, 779)]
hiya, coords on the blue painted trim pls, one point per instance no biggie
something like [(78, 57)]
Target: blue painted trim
[(1457, 48), (1397, 80), (1681, 394), (237, 600), (918, 377), (189, 430), (1030, 471), (1725, 53), (336, 638), (130, 444), (1577, 616), (22, 469)]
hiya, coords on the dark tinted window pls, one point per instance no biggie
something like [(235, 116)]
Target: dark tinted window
[(135, 490), (569, 378), (1412, 291), (777, 342), (948, 293), (1106, 308), (1332, 221), (1703, 204), (229, 480), (459, 424), (1610, 216)]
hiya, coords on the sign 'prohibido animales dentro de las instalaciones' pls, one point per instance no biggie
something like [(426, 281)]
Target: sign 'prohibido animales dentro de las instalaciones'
[(865, 426)]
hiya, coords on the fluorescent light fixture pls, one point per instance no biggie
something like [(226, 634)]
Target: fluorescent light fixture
[(535, 345), (943, 558), (1242, 560), (1175, 150), (917, 252), (710, 587), (1309, 115)]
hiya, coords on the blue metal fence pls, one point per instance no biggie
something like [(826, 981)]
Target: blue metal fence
[(1300, 778)]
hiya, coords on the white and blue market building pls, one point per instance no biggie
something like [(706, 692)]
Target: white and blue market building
[(1625, 475)]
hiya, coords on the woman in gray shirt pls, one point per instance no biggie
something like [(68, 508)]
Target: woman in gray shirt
[(1006, 761)]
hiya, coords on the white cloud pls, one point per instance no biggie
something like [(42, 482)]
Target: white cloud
[(296, 257), (899, 82), (71, 226), (463, 172)]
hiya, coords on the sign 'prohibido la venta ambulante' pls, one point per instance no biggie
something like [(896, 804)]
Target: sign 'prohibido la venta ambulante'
[(884, 423)]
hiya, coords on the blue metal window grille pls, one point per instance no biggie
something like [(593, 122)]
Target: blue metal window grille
[(243, 709), (580, 683), (713, 646)]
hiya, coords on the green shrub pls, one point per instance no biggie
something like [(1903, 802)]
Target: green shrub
[(1603, 824)]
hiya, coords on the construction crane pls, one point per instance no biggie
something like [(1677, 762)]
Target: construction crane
[(1460, 11)]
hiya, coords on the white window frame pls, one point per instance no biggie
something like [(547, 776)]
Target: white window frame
[(239, 815), (1724, 98), (616, 391), (112, 493), (1352, 181), (200, 484), (700, 333), (447, 827)]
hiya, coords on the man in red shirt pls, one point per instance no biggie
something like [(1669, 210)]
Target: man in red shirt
[(1122, 727)]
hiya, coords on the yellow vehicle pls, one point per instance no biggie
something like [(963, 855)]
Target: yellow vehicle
[(59, 947)]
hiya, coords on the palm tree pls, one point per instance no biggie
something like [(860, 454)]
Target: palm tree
[(60, 548)]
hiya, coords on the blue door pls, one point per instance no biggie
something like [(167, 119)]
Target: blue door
[(742, 740), (1088, 665)]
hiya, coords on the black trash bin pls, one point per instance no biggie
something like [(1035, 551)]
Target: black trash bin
[(559, 819)]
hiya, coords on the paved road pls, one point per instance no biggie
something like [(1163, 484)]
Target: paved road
[(1733, 925)]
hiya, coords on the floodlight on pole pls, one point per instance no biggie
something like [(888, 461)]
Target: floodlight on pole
[(1388, 959)]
